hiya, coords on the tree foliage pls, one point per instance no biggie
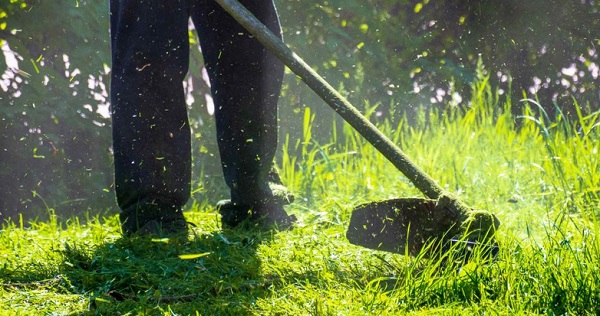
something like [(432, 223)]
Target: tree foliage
[(55, 128), (425, 52)]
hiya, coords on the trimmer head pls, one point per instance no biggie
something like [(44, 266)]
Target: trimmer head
[(407, 225)]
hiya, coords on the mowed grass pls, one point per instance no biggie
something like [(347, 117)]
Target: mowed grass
[(539, 174)]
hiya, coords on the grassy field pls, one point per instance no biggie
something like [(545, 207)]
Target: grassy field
[(542, 180)]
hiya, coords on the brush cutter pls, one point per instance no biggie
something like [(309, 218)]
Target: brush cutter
[(403, 225)]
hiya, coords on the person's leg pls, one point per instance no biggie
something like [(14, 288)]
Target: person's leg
[(151, 136), (245, 83)]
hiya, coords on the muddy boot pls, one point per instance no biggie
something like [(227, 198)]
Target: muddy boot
[(265, 214)]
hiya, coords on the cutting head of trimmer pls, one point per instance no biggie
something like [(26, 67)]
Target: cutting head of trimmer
[(410, 225)]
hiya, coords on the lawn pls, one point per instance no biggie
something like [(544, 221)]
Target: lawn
[(538, 172)]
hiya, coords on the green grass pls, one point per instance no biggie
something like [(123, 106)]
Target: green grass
[(541, 178)]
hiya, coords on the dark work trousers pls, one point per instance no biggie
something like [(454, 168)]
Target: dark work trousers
[(151, 134)]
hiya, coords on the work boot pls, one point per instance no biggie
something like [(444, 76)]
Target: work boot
[(153, 219), (265, 214), (261, 217)]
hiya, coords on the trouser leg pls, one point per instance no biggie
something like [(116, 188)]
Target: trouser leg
[(151, 136), (245, 82)]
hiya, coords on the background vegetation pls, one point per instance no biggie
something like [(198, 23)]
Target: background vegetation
[(400, 55)]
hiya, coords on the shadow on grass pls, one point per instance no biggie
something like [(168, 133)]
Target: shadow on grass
[(215, 273)]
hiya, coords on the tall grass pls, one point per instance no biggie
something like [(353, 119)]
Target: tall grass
[(486, 155), (539, 175)]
